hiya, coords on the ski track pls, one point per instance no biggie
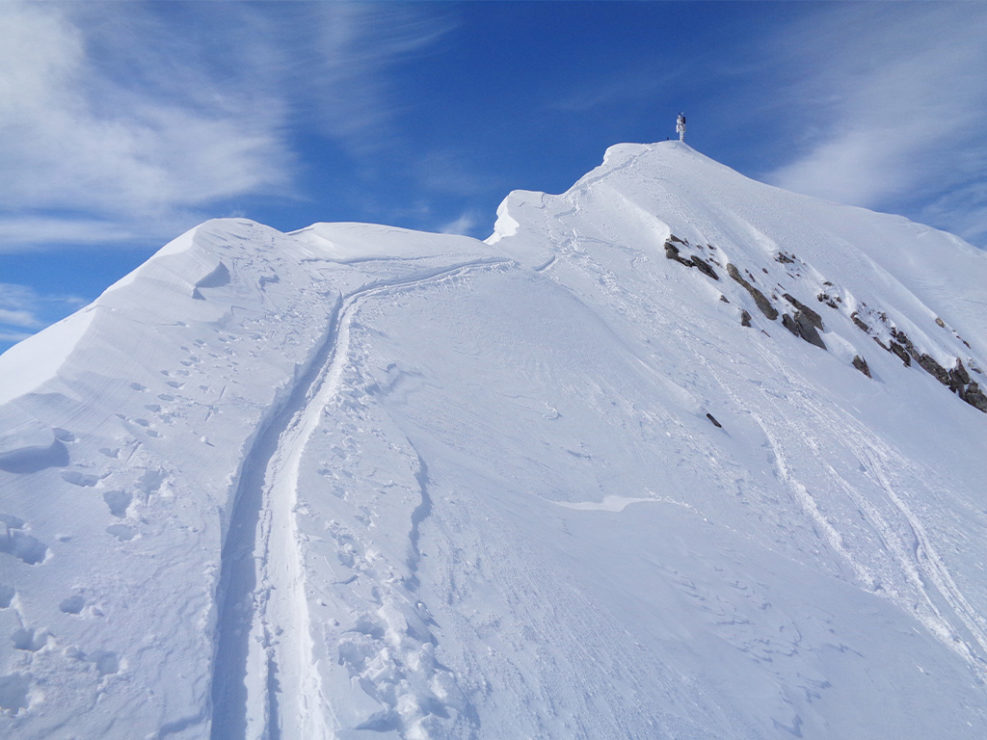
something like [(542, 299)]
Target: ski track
[(947, 614), (265, 681), (932, 569)]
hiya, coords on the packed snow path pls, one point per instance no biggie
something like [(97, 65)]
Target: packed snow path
[(672, 454), (264, 681)]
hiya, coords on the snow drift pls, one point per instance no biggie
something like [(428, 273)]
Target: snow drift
[(672, 454)]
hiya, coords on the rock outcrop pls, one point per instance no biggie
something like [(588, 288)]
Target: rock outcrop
[(759, 298)]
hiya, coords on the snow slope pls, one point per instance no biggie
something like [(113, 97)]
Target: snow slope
[(355, 481)]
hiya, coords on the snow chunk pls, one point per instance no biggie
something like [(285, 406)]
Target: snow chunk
[(27, 445), (505, 225)]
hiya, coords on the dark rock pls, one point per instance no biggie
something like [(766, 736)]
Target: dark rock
[(957, 379), (814, 318), (802, 326), (958, 376), (762, 302), (933, 368), (975, 397), (704, 267), (808, 330), (939, 323), (900, 351), (903, 340), (959, 372), (673, 238), (860, 324), (672, 253), (789, 323), (745, 318), (723, 298), (861, 364), (715, 422)]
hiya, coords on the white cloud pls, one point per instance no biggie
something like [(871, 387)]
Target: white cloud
[(20, 233), (23, 310), (353, 45), (450, 171), (964, 208), (19, 318), (79, 139), (463, 225), (632, 85), (126, 118), (893, 100), (11, 337)]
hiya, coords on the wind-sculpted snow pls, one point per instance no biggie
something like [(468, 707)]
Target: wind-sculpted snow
[(356, 481)]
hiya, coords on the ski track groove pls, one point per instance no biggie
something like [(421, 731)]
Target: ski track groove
[(932, 567), (265, 682), (919, 564)]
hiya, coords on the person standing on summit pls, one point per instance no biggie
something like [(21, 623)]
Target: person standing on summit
[(680, 126)]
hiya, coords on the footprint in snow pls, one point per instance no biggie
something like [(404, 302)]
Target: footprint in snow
[(106, 662), (19, 543), (14, 689), (118, 502), (76, 478), (122, 532), (63, 435), (72, 605), (29, 640)]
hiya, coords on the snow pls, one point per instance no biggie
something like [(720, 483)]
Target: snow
[(37, 359), (357, 481)]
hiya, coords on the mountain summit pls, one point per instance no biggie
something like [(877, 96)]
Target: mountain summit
[(672, 454)]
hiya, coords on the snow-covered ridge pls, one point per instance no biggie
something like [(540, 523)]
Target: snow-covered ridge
[(673, 453), (672, 191)]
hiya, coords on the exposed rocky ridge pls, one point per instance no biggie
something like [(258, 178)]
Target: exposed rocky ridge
[(806, 323), (672, 253)]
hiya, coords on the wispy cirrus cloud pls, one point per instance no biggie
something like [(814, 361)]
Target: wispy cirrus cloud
[(464, 224), (892, 98), (129, 118), (23, 310), (81, 137), (353, 48)]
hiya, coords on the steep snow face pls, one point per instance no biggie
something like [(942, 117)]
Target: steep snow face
[(618, 471)]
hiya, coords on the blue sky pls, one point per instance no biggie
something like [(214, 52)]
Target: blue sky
[(122, 124)]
